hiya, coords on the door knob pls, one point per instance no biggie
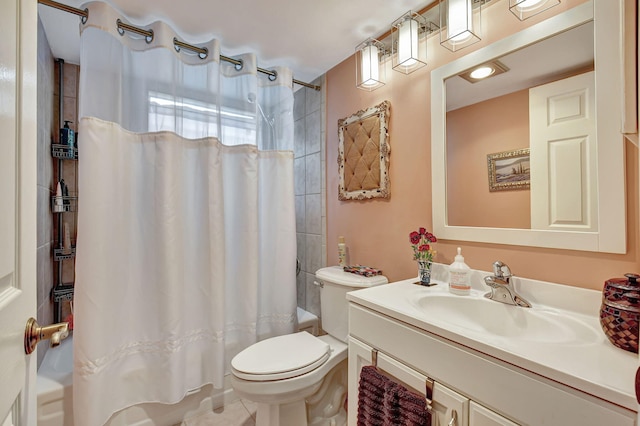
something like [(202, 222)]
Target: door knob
[(33, 333)]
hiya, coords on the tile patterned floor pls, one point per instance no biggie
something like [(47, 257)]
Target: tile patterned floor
[(238, 413)]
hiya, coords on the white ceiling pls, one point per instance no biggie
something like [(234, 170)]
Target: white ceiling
[(309, 36)]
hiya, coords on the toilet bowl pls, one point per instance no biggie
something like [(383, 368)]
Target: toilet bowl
[(300, 379)]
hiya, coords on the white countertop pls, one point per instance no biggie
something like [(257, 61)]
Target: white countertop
[(595, 367)]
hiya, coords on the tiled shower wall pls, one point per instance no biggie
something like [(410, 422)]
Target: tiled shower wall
[(310, 191), (47, 126), (48, 131)]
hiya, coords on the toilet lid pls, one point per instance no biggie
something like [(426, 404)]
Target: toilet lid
[(281, 357)]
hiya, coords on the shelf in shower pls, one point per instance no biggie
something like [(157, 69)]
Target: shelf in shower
[(64, 254), (64, 152), (62, 293), (64, 204)]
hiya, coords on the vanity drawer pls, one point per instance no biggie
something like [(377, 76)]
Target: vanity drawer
[(519, 395), (480, 416)]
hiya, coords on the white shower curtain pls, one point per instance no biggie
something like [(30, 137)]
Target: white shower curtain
[(186, 227)]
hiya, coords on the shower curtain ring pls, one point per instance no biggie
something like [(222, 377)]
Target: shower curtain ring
[(122, 27), (84, 18), (274, 76), (240, 65), (202, 52)]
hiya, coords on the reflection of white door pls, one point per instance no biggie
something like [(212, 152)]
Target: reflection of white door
[(563, 154), (18, 157)]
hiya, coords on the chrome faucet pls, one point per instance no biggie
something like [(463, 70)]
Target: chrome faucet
[(502, 287)]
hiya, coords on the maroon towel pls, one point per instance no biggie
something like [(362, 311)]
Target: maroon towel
[(383, 402)]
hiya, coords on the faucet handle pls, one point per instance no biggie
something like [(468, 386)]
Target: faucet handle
[(506, 272), (501, 270)]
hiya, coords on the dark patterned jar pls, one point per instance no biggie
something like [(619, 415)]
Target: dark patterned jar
[(614, 288), (619, 320)]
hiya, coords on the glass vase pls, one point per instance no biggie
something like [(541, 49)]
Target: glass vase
[(424, 271)]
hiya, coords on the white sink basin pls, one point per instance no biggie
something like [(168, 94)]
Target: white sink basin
[(478, 314)]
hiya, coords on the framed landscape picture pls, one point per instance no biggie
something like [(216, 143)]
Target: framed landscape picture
[(509, 170)]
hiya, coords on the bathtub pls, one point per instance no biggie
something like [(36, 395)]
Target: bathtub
[(55, 399)]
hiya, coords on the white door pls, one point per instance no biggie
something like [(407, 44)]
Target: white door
[(563, 154), (18, 158)]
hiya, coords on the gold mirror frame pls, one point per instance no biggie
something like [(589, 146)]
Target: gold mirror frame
[(363, 154)]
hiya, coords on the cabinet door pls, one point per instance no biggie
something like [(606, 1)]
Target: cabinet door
[(481, 416), (449, 407), (359, 356)]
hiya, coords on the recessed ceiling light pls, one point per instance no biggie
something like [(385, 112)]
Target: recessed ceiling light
[(488, 69), (482, 72)]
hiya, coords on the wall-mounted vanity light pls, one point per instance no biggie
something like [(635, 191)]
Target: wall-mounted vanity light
[(460, 26), (370, 75), (486, 70), (524, 9), (459, 23), (408, 42)]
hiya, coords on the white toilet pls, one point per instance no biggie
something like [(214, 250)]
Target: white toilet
[(299, 379)]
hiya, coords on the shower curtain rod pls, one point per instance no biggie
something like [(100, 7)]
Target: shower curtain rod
[(148, 34)]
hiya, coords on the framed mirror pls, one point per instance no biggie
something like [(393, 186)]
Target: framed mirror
[(363, 154), (576, 198)]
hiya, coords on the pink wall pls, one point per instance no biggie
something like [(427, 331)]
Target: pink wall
[(471, 136), (376, 231)]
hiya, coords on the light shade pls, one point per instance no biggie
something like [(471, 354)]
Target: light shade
[(408, 42), (459, 23), (370, 74), (524, 9)]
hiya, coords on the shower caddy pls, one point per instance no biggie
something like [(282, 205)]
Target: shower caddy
[(61, 291)]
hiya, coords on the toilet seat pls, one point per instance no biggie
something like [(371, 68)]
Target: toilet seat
[(281, 357)]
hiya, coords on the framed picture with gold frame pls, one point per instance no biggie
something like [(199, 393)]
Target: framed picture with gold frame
[(509, 170), (363, 154)]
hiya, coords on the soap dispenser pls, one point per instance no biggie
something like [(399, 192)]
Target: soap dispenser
[(459, 276)]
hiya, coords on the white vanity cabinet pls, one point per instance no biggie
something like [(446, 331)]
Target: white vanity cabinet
[(481, 389), (448, 407)]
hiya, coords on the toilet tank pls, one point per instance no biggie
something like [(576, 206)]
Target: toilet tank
[(334, 308)]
